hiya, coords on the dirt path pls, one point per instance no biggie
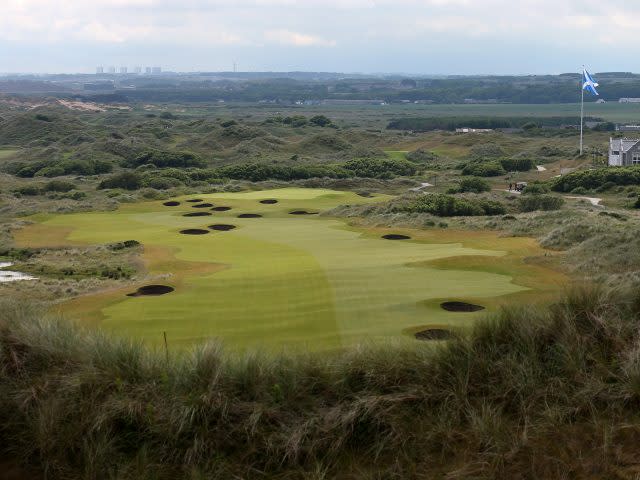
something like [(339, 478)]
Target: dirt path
[(422, 186), (593, 200)]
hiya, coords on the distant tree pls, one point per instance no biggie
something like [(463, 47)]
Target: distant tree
[(125, 180), (320, 120), (408, 82)]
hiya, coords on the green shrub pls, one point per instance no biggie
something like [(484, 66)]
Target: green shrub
[(517, 164), (536, 189), (484, 169), (320, 120), (58, 186), (380, 168), (579, 191), (474, 185), (443, 205), (124, 180), (164, 159), (29, 190), (530, 203), (422, 156), (592, 179)]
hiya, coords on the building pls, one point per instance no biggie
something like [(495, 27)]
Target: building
[(123, 70), (629, 100), (112, 69), (473, 130), (624, 152), (137, 70), (627, 128), (99, 70), (147, 70), (156, 70)]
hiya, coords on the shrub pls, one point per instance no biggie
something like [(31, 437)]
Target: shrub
[(484, 169), (58, 186), (592, 179), (124, 180), (474, 185), (422, 156), (443, 205), (164, 159), (517, 164), (530, 203), (320, 120), (536, 189), (380, 168), (486, 150), (29, 190)]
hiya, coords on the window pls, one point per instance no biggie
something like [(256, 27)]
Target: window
[(615, 152), (636, 158)]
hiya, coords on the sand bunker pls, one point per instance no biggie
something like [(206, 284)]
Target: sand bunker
[(194, 200), (222, 227), (249, 215), (197, 214), (151, 290), (302, 212), (395, 236), (221, 209), (460, 307), (269, 201), (203, 205), (194, 231), (171, 204), (433, 334)]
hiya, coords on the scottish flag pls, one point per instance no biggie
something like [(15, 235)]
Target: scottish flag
[(589, 84)]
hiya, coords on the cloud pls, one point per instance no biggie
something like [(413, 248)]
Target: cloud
[(296, 39)]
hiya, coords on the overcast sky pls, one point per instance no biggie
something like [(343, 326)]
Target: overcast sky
[(401, 36)]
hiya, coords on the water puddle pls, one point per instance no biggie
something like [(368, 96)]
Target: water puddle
[(9, 276)]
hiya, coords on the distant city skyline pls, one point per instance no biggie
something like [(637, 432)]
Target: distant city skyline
[(350, 36)]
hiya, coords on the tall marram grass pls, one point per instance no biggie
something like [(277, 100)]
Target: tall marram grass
[(529, 393)]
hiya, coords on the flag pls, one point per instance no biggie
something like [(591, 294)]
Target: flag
[(589, 84)]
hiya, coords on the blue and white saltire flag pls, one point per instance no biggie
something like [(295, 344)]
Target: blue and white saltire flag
[(589, 84)]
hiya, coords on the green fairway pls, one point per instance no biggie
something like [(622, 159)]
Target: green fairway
[(282, 279)]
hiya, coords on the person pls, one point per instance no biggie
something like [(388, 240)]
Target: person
[(510, 186)]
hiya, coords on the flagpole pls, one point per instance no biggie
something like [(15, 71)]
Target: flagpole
[(582, 111)]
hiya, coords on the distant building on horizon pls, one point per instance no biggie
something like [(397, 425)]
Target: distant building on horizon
[(473, 130), (112, 69), (629, 100), (137, 70), (147, 70), (156, 70), (624, 152), (123, 70), (99, 70)]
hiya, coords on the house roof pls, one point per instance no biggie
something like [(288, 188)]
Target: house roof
[(623, 144)]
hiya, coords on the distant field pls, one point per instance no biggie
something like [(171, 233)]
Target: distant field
[(289, 279), (377, 116), (6, 153)]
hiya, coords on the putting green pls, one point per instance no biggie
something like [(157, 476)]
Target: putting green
[(285, 279)]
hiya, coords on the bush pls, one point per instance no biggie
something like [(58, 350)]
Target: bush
[(422, 156), (474, 185), (443, 205), (592, 179), (58, 186), (320, 120), (536, 189), (124, 180), (530, 203), (380, 168), (517, 164), (486, 150), (29, 190), (164, 159), (484, 169)]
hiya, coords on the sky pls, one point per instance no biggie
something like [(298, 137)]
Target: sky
[(352, 36)]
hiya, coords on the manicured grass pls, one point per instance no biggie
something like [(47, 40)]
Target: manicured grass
[(6, 153), (397, 154), (284, 279)]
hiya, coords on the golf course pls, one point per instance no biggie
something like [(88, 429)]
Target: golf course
[(265, 268)]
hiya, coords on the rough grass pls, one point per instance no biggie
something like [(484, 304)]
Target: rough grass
[(531, 393)]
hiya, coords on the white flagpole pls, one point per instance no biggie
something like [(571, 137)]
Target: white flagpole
[(582, 111)]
